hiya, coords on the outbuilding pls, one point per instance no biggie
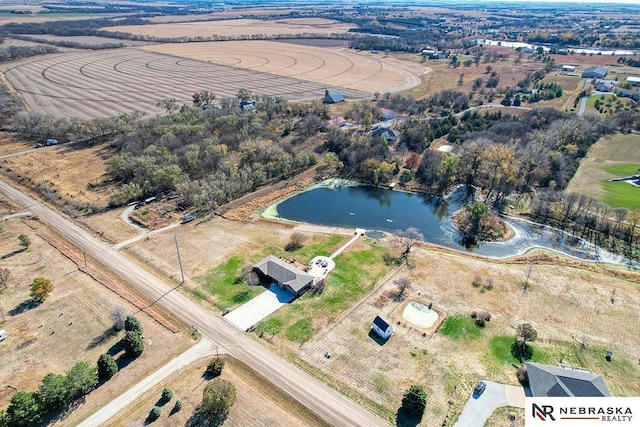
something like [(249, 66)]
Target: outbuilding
[(332, 97), (595, 72), (634, 81), (382, 328)]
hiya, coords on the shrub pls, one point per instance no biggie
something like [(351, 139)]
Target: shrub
[(107, 366), (215, 366), (480, 321), (414, 400), (81, 379), (488, 285), (132, 324), (154, 414), (167, 394), (133, 345), (522, 375), (218, 397), (477, 281), (177, 406), (295, 243)]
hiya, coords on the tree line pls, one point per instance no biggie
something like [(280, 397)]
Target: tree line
[(14, 53)]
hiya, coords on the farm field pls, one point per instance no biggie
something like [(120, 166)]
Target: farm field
[(611, 157), (71, 324), (89, 40), (237, 28), (258, 402), (333, 67), (87, 85)]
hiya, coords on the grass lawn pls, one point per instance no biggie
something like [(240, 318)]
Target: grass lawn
[(611, 157), (356, 272), (459, 326), (224, 287)]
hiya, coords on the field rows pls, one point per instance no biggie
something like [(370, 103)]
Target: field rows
[(331, 67), (103, 83), (237, 27)]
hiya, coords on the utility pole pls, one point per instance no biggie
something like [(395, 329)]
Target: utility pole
[(179, 260), (44, 182)]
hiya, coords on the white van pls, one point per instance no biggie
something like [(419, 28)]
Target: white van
[(3, 335)]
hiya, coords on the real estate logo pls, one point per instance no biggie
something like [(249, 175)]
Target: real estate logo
[(582, 411)]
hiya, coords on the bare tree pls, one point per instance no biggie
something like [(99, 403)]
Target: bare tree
[(169, 104), (528, 275), (118, 316), (406, 238), (5, 276), (252, 279), (403, 284)]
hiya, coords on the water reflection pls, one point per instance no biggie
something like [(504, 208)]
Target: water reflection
[(382, 209)]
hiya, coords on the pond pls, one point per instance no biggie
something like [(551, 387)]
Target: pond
[(376, 208)]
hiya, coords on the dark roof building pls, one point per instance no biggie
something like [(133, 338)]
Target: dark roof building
[(285, 274), (382, 328), (595, 72), (332, 97), (389, 135), (550, 381)]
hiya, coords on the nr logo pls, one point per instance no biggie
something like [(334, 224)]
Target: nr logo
[(543, 412)]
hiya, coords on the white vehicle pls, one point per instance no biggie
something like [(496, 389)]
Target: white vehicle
[(3, 335)]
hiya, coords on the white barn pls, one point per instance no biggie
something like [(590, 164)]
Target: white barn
[(382, 328)]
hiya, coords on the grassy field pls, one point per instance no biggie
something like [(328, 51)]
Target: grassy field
[(72, 324), (611, 157), (258, 402)]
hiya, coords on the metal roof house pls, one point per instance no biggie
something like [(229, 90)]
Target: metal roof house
[(332, 97), (287, 275), (551, 381), (595, 72), (382, 328)]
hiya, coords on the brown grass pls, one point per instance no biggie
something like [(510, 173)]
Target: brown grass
[(68, 170), (612, 150), (237, 28), (58, 333), (259, 403)]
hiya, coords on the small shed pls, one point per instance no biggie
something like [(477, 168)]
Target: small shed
[(569, 68), (382, 328), (635, 81)]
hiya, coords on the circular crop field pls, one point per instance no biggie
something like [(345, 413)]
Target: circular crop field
[(104, 83), (333, 67)]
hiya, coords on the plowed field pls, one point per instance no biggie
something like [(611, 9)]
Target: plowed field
[(104, 83)]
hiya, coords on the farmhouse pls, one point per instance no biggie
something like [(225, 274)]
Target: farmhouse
[(389, 135), (635, 81), (604, 86), (382, 328), (387, 114), (336, 121), (562, 381), (287, 275), (332, 97), (595, 72)]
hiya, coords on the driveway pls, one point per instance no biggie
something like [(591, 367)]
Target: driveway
[(479, 408), (251, 312)]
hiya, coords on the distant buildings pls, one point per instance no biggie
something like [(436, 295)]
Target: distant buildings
[(634, 81), (595, 72)]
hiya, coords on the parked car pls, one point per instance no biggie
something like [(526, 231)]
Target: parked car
[(479, 388), (3, 335), (51, 142), (187, 218)]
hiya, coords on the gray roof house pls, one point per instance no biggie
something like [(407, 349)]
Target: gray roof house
[(332, 97), (389, 135), (286, 275), (551, 381), (596, 72)]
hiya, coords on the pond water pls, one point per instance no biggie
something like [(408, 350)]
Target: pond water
[(375, 208)]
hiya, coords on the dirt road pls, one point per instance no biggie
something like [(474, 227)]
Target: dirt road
[(318, 397)]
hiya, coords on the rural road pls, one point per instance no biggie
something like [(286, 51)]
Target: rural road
[(326, 402), (201, 349)]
